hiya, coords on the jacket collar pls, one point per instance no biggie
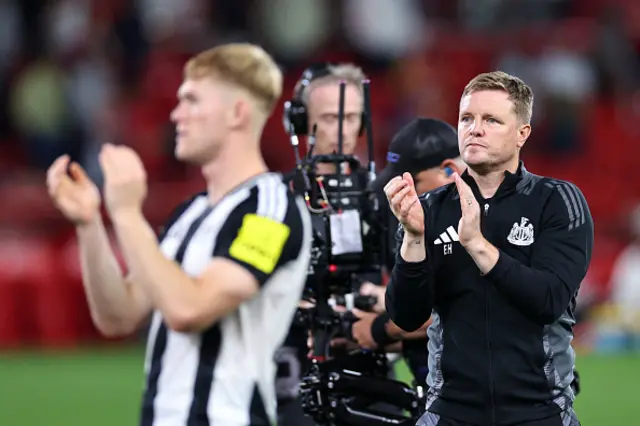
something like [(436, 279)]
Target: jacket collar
[(511, 181)]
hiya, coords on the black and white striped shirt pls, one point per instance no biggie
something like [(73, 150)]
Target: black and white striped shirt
[(225, 375)]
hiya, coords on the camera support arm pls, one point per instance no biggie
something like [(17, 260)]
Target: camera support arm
[(345, 415), (375, 388), (323, 324), (335, 393)]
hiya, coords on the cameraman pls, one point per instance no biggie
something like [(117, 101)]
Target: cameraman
[(315, 104), (428, 150)]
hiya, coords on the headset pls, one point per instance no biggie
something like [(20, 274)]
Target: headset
[(295, 117)]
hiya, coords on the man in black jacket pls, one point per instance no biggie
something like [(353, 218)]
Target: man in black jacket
[(496, 260)]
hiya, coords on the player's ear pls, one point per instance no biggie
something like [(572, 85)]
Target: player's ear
[(242, 113), (240, 109)]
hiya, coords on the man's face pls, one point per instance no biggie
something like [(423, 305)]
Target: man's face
[(489, 132), (200, 118), (323, 105)]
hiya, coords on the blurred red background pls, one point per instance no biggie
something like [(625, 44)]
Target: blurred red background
[(80, 73)]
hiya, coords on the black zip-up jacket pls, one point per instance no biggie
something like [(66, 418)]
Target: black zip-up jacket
[(499, 345)]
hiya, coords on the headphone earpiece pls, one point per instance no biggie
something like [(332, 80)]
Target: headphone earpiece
[(448, 171), (295, 115)]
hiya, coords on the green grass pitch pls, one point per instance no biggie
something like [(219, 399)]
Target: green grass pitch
[(102, 387)]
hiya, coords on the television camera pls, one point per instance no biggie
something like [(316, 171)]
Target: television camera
[(349, 242)]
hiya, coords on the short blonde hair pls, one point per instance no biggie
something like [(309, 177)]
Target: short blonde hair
[(348, 73), (245, 65), (519, 93)]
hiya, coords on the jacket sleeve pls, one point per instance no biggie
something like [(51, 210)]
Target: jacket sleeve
[(559, 261), (409, 295)]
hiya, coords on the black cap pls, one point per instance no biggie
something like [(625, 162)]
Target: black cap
[(422, 144)]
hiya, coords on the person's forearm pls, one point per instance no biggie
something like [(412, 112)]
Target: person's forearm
[(541, 295), (112, 301), (413, 248), (393, 348), (408, 297), (173, 292), (484, 254), (397, 333)]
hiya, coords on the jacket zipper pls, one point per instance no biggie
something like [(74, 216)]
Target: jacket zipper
[(488, 331)]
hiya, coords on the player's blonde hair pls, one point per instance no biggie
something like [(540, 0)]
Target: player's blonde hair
[(348, 73), (245, 65), (519, 93)]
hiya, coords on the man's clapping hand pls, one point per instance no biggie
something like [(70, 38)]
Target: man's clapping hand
[(405, 205), (125, 179), (469, 225), (72, 192)]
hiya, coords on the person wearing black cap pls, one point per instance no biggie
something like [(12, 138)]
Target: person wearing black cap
[(427, 149)]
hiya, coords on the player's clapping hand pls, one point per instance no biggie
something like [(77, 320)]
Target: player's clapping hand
[(469, 225), (72, 192), (404, 203), (125, 179)]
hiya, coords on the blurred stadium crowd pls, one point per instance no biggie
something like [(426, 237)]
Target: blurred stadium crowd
[(78, 73)]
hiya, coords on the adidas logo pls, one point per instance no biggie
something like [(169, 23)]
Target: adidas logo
[(447, 236)]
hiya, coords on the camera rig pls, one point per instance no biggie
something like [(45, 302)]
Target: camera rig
[(337, 392), (349, 242)]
